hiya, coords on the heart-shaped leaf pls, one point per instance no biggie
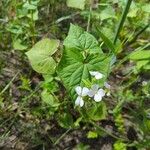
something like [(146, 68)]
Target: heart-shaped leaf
[(81, 55), (40, 56)]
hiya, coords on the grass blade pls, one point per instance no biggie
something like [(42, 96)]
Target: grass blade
[(122, 20)]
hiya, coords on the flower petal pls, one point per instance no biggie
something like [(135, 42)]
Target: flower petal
[(78, 90), (101, 92), (95, 87), (79, 101), (85, 91), (91, 93), (97, 97), (99, 76)]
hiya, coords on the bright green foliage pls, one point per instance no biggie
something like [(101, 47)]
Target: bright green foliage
[(81, 55), (49, 99), (97, 113), (119, 146), (92, 135), (119, 122), (65, 120), (142, 57), (81, 40), (18, 45), (40, 56), (76, 3)]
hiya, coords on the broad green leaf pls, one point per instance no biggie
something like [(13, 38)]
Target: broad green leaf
[(18, 45), (65, 120), (146, 8), (141, 63), (140, 55), (49, 99), (98, 113), (29, 6), (81, 40), (107, 13), (40, 56), (80, 4), (81, 55)]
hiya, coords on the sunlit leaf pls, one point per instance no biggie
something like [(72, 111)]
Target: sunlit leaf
[(80, 4), (40, 56)]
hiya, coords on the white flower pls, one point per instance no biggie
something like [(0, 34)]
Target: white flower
[(96, 74), (79, 101), (97, 93), (81, 93)]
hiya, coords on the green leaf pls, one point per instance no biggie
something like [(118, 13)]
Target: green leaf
[(81, 55), (40, 56), (98, 113), (49, 99), (80, 4), (140, 55), (83, 41), (142, 63), (29, 6), (18, 45), (119, 145), (146, 8), (92, 135), (65, 120)]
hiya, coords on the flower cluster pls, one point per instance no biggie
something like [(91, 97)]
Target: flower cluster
[(95, 92)]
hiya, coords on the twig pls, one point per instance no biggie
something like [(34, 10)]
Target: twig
[(105, 131)]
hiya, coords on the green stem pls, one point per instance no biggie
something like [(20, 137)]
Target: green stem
[(122, 20), (107, 132), (89, 17)]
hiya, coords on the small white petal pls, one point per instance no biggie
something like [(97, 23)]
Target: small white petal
[(95, 87), (79, 101), (99, 76), (107, 85), (78, 90), (97, 97), (93, 73), (91, 93), (85, 91), (101, 92)]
